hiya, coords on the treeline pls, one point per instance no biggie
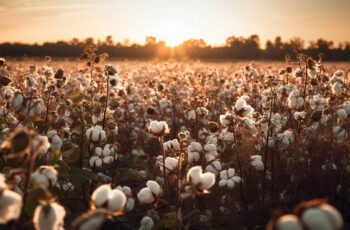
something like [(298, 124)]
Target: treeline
[(235, 48)]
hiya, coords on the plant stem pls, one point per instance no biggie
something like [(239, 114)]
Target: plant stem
[(161, 141), (106, 105)]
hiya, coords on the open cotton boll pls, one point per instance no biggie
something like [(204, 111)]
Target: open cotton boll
[(333, 215), (45, 176), (207, 181), (170, 164), (10, 206), (17, 101), (154, 186), (116, 200), (147, 223), (96, 134), (145, 196), (49, 217), (194, 175), (226, 120), (158, 128), (288, 222), (101, 194), (195, 147), (256, 162), (316, 219), (171, 145), (210, 152), (193, 157)]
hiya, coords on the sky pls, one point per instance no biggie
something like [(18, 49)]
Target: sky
[(173, 21)]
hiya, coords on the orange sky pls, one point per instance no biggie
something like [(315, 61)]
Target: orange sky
[(173, 21)]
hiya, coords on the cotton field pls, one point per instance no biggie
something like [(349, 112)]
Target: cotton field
[(100, 144)]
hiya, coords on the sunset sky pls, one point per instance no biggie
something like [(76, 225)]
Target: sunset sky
[(173, 21)]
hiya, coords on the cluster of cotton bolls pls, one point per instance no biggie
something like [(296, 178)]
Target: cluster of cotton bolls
[(311, 215), (286, 137), (228, 178), (242, 108), (295, 101), (317, 102), (194, 152), (103, 156)]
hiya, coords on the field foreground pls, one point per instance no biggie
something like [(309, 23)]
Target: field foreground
[(173, 145)]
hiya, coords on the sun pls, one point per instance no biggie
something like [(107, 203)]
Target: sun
[(172, 35)]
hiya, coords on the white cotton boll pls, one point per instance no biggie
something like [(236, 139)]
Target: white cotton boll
[(107, 159), (101, 195), (171, 164), (334, 216), (288, 222), (202, 111), (116, 200), (193, 157), (17, 101), (98, 162), (154, 186), (146, 223), (130, 203), (226, 120), (194, 175), (207, 180), (56, 143), (159, 127), (106, 151), (93, 160), (316, 219), (191, 114), (256, 162), (223, 183), (230, 184), (142, 173), (50, 217), (231, 172), (145, 196), (10, 206), (237, 179), (136, 152), (195, 147), (240, 104), (39, 179), (224, 174), (41, 144)]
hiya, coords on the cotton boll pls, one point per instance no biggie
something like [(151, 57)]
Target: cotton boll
[(49, 217), (256, 162), (17, 101), (333, 215), (226, 120), (194, 175), (195, 147), (288, 222), (170, 164), (193, 157), (154, 186), (116, 200), (92, 161), (214, 167), (158, 128), (207, 181), (316, 219), (107, 160), (101, 195), (98, 163), (146, 223), (10, 206), (145, 196)]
